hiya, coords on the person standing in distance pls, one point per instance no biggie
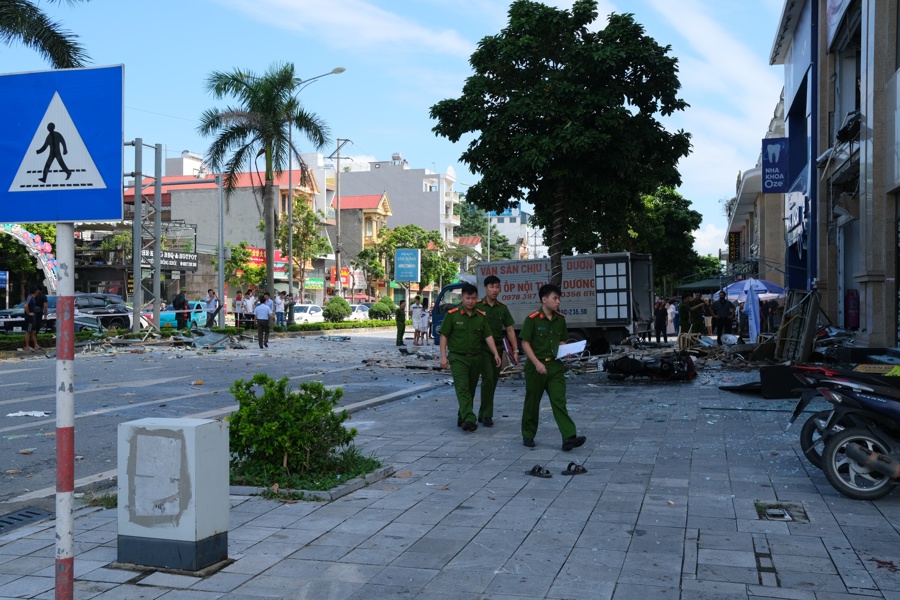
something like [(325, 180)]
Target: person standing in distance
[(400, 315), (462, 332), (542, 332), (501, 323), (415, 313), (212, 306), (263, 313)]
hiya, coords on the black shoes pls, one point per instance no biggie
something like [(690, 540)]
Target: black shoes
[(459, 422), (469, 426), (573, 442), (528, 442), (486, 421)]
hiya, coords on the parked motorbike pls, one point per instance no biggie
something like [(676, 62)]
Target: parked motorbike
[(857, 443), (675, 366)]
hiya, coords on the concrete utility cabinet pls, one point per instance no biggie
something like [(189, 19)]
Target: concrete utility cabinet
[(173, 493)]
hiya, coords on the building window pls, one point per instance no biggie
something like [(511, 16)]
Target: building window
[(370, 228)]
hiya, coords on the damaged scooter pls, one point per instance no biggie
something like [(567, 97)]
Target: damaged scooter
[(675, 366), (861, 434)]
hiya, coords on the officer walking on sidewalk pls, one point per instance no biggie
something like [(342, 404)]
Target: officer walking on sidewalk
[(501, 323), (542, 332), (462, 332)]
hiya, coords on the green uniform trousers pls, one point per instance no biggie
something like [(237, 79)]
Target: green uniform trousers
[(465, 370), (554, 383), (401, 329), (490, 375)]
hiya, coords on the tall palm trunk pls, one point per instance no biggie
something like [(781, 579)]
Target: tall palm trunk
[(557, 235), (269, 220)]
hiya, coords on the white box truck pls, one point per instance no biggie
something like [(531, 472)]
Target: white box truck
[(605, 297)]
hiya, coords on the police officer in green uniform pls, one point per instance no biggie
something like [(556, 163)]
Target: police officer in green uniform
[(501, 323), (462, 332), (542, 333), (400, 315)]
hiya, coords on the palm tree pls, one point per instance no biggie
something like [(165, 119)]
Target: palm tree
[(22, 21), (259, 126)]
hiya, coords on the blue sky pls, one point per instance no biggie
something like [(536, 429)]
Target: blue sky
[(402, 56)]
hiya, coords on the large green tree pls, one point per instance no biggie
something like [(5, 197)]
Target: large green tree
[(309, 242), (21, 21), (664, 228), (566, 118), (474, 221), (259, 126)]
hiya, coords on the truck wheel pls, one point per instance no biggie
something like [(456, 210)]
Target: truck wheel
[(116, 323)]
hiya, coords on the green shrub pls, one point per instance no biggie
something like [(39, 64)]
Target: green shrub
[(287, 431), (390, 302), (337, 310), (381, 310)]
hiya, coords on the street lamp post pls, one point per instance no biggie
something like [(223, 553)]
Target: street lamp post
[(339, 288), (334, 71)]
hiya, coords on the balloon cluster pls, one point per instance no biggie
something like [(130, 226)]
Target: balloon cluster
[(42, 250)]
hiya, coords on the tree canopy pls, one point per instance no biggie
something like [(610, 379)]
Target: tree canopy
[(436, 266), (474, 221), (21, 21), (260, 125), (566, 118)]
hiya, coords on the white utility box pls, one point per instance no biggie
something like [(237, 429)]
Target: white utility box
[(173, 493)]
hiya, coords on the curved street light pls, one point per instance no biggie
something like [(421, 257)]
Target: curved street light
[(303, 85)]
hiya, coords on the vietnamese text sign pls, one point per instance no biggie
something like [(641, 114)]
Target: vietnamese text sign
[(407, 264), (62, 145), (775, 165), (734, 246), (4, 279)]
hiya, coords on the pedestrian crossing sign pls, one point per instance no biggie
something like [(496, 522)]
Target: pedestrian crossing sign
[(61, 151)]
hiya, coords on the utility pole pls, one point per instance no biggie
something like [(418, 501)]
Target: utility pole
[(339, 291)]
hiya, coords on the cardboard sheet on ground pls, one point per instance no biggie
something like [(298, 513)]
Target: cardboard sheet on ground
[(573, 348)]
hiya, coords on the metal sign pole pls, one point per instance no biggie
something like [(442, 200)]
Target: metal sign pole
[(65, 412)]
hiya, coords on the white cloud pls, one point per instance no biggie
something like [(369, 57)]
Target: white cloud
[(709, 240), (355, 24)]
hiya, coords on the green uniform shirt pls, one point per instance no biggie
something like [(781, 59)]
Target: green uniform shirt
[(498, 318), (543, 334), (400, 315), (464, 332)]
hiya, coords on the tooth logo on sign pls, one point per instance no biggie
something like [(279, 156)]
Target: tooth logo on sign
[(57, 158)]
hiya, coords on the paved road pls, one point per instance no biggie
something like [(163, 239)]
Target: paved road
[(112, 388)]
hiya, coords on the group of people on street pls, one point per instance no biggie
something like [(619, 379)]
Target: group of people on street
[(475, 335)]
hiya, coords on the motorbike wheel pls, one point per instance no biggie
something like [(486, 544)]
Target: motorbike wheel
[(812, 442), (846, 475)]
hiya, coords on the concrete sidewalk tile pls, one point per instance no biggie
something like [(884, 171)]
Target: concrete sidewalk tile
[(326, 553), (265, 586), (132, 592), (26, 587), (712, 590), (107, 575), (81, 567), (405, 577), (727, 558), (82, 590), (27, 546), (169, 580), (222, 582), (642, 591), (728, 574), (595, 557), (291, 567), (529, 585), (725, 541), (25, 565)]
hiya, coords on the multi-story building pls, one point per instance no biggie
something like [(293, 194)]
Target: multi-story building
[(839, 210), (515, 224), (418, 196)]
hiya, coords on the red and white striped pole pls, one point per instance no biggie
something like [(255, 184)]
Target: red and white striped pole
[(65, 411)]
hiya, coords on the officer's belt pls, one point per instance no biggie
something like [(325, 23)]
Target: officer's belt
[(465, 353)]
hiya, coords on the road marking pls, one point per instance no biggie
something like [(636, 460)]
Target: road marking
[(99, 388), (102, 411), (18, 370), (9, 384)]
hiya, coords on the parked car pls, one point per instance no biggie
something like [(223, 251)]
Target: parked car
[(167, 316), (308, 313), (358, 312), (109, 309)]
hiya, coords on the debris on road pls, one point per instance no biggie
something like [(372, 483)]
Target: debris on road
[(29, 413)]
